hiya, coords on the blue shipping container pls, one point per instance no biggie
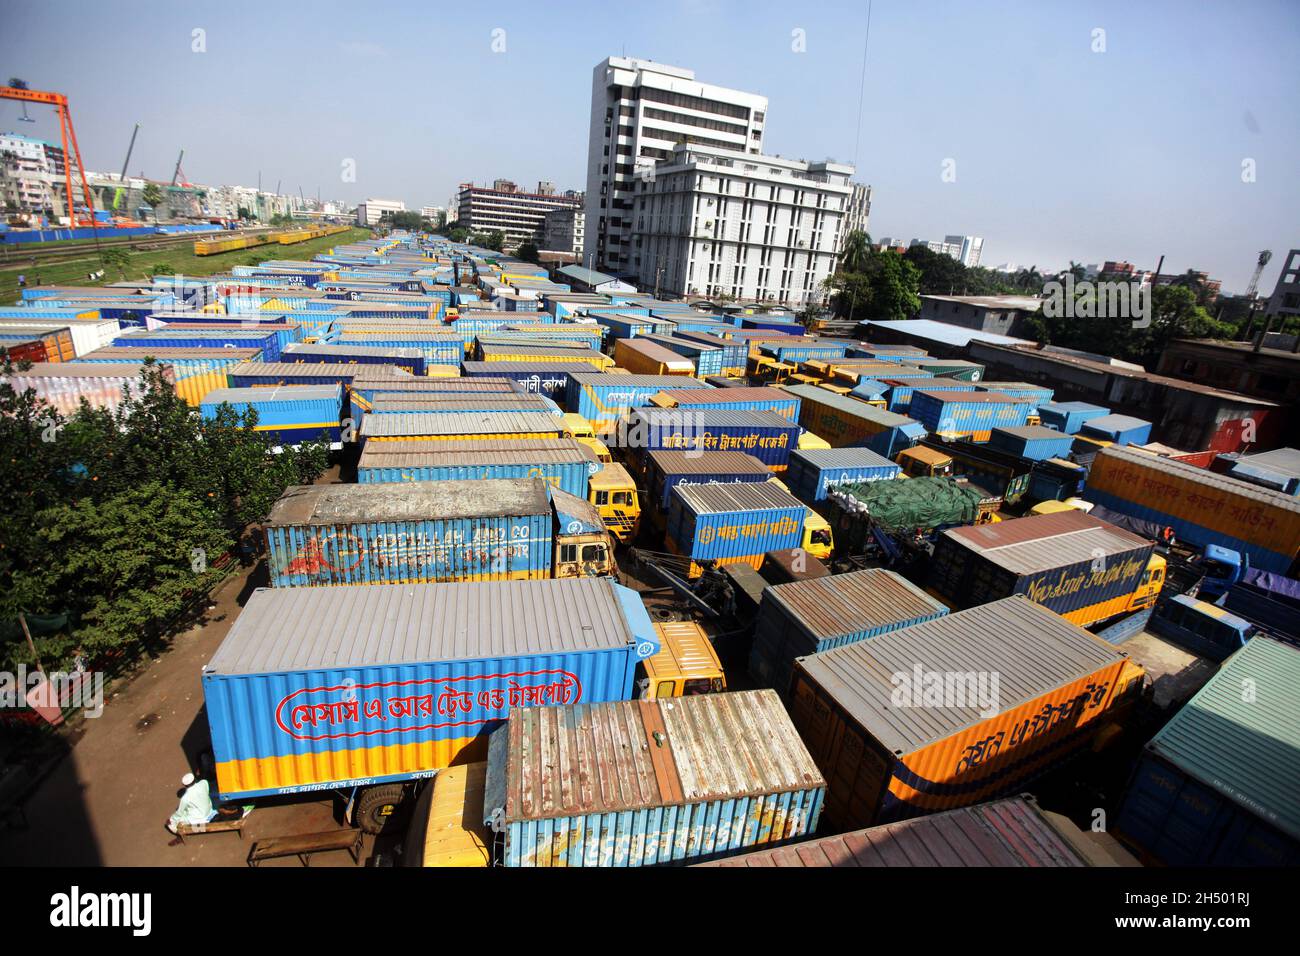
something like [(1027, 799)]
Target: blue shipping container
[(1120, 429), (406, 358), (1036, 442), (1069, 416), (356, 685), (268, 342), (289, 413), (765, 435), (602, 397), (734, 522), (813, 472), (969, 415)]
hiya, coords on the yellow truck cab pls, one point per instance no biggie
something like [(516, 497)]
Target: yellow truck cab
[(1056, 507), (808, 440), (923, 462), (686, 664), (817, 538), (447, 826), (584, 547), (614, 494), (765, 370), (1148, 589), (837, 389), (580, 428)]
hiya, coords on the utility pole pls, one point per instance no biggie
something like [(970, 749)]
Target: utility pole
[(126, 162)]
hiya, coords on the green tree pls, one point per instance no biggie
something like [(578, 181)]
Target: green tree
[(152, 196), (886, 288), (495, 240), (857, 250), (407, 220), (528, 252)]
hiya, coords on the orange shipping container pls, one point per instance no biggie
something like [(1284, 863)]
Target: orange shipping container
[(647, 358), (955, 711)]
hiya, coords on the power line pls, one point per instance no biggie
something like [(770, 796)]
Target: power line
[(862, 87)]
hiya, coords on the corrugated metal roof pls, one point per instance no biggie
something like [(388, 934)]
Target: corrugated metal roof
[(707, 417), (1032, 432), (459, 423), (76, 370), (1245, 746), (375, 351), (1117, 423), (372, 624), (1041, 542), (963, 398), (742, 393), (409, 501), (170, 352), (737, 496), (942, 332), (275, 393), (374, 373), (1283, 461), (630, 755), (1011, 832), (714, 462), (1029, 648), (617, 378), (857, 601), (842, 458), (1201, 476), (479, 446)]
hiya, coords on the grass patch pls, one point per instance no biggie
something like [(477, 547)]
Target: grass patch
[(181, 258)]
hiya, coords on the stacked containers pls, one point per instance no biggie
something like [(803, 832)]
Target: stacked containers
[(1035, 442), (732, 523), (603, 397), (1036, 394), (813, 472), (898, 392), (866, 710), (1069, 416), (1120, 429), (495, 530), (235, 338), (815, 615), (437, 348), (647, 782), (320, 688), (266, 374), (1081, 567), (972, 415), (88, 331), (1202, 507), (806, 349), (289, 413), (735, 355), (55, 344), (765, 435)]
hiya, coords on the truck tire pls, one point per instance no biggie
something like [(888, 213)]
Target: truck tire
[(377, 807)]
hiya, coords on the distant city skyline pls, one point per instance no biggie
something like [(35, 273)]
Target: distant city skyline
[(1171, 132)]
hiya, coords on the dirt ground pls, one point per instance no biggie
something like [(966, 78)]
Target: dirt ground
[(106, 802)]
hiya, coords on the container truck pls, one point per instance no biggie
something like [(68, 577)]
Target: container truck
[(1216, 786), (1035, 442), (997, 473), (540, 378), (659, 782), (408, 359), (1022, 689), (845, 422), (1084, 569), (1117, 429), (489, 529), (740, 399), (604, 397), (560, 462), (433, 426), (814, 472), (197, 371), (64, 384), (969, 415), (650, 358), (1201, 507), (815, 615), (666, 470), (363, 690), (685, 665), (732, 523)]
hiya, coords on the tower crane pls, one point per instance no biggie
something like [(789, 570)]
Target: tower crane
[(17, 90), (1260, 263)]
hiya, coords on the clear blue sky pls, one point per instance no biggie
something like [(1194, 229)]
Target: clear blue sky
[(1061, 153)]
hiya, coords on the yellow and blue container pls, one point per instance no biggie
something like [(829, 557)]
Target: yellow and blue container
[(813, 472), (330, 688), (732, 523), (969, 415), (288, 413)]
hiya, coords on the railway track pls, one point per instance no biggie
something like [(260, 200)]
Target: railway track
[(74, 250)]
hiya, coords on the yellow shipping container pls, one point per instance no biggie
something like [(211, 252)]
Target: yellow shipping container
[(194, 388)]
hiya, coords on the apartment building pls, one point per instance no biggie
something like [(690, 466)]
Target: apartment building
[(372, 211), (564, 230), (30, 174), (640, 111), (857, 216), (712, 221), (520, 216)]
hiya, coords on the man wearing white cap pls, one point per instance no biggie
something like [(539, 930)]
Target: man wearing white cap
[(195, 806)]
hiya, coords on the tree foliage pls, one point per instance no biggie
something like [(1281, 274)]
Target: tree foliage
[(528, 252), (884, 288), (117, 518)]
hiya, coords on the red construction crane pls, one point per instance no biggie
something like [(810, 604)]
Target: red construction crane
[(60, 102)]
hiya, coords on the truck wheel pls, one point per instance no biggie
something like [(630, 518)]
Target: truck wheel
[(376, 807)]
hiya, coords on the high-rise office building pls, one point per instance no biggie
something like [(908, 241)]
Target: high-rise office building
[(641, 110), (519, 216)]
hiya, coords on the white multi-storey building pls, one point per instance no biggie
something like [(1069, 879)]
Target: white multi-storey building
[(716, 222), (641, 110), (371, 212), (519, 216), (28, 175), (563, 230), (968, 248), (858, 215)]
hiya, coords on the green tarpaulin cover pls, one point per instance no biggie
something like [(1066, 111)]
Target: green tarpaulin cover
[(905, 504)]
